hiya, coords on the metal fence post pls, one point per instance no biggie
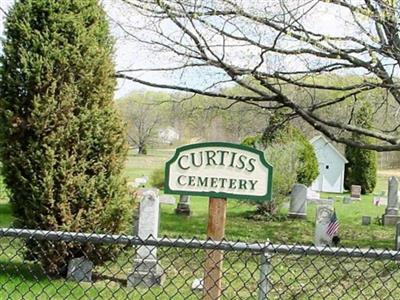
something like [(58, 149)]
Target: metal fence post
[(265, 269)]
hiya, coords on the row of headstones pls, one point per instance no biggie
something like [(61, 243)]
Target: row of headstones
[(146, 269), (299, 199)]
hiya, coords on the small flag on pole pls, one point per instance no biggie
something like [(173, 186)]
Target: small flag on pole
[(333, 226)]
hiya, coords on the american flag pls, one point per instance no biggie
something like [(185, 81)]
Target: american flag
[(333, 226)]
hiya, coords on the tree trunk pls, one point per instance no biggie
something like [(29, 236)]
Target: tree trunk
[(142, 149)]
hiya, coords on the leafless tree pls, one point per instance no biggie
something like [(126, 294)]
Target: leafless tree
[(143, 120), (267, 46)]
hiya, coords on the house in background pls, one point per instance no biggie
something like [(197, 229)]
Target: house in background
[(331, 165)]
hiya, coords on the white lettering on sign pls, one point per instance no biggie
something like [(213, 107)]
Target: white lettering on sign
[(219, 169)]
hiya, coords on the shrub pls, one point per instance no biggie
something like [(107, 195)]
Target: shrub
[(157, 178), (307, 168), (284, 159), (362, 166), (251, 141), (62, 143)]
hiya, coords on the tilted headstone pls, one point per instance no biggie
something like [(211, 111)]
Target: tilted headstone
[(355, 192), (391, 213), (298, 202), (323, 217), (183, 207), (146, 269), (397, 242), (80, 269)]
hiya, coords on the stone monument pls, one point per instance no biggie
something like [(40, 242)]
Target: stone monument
[(323, 217), (80, 269), (146, 269), (183, 207), (298, 202), (391, 213), (355, 192)]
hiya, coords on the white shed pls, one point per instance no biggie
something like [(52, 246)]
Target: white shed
[(331, 166)]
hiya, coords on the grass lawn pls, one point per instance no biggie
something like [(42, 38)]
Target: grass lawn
[(293, 277), (240, 227)]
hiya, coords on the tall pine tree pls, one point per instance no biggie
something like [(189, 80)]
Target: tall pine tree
[(362, 166), (62, 144)]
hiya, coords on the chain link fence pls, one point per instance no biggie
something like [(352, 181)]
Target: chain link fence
[(38, 264)]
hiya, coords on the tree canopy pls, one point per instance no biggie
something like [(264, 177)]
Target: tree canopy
[(266, 46)]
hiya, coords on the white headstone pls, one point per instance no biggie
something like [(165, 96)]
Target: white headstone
[(146, 270), (312, 194), (322, 219)]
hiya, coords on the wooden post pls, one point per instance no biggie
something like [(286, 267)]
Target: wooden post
[(214, 258)]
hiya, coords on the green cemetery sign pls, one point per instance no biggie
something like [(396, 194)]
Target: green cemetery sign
[(219, 170)]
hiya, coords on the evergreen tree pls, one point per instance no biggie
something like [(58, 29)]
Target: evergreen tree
[(62, 144), (362, 166), (280, 131)]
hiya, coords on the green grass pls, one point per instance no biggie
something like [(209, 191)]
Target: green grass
[(238, 226), (25, 280)]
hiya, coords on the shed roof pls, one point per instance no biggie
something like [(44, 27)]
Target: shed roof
[(318, 137)]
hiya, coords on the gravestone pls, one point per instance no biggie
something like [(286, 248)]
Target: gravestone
[(298, 202), (397, 242), (146, 269), (346, 200), (365, 220), (323, 217), (391, 213), (183, 207), (167, 199), (355, 192), (312, 194), (328, 201), (80, 269)]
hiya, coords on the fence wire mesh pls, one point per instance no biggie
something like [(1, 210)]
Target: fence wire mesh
[(65, 265)]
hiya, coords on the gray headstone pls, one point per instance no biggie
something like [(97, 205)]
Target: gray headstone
[(323, 216), (167, 199), (346, 200), (328, 202), (355, 191), (298, 202), (365, 220), (183, 207), (397, 241), (146, 269), (391, 213), (80, 269)]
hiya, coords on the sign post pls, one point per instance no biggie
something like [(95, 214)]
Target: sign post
[(214, 258), (218, 171)]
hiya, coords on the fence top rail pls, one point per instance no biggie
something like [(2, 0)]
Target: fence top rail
[(257, 247)]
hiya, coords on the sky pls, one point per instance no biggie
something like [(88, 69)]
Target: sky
[(131, 54)]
